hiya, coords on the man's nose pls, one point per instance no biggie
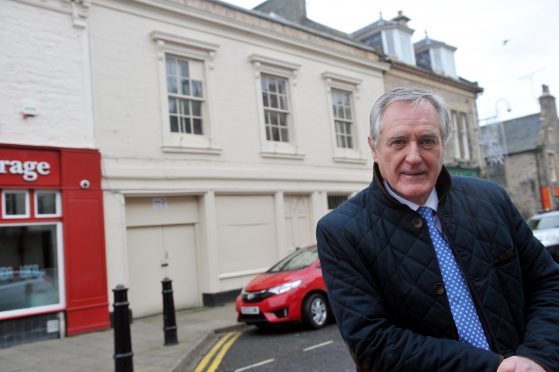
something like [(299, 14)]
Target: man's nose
[(414, 153)]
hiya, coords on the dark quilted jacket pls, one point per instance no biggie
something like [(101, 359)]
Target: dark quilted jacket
[(387, 293)]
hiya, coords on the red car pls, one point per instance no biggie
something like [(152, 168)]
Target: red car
[(290, 291)]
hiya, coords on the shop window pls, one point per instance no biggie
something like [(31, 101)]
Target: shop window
[(30, 268), (47, 204), (15, 204)]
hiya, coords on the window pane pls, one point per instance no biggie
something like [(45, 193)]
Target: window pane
[(283, 120), (172, 105), (340, 140), (274, 101), (183, 68), (28, 267), (15, 203), (196, 88), (46, 202), (185, 107), (196, 108), (283, 102), (197, 126), (171, 65), (275, 134), (174, 124), (171, 84), (185, 87), (281, 86), (186, 126), (284, 135)]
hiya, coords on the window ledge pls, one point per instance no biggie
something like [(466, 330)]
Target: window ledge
[(345, 159), (193, 150), (282, 155)]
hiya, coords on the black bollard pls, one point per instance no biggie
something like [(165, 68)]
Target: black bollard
[(121, 318), (169, 322)]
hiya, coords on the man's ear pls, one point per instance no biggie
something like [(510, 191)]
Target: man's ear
[(372, 147)]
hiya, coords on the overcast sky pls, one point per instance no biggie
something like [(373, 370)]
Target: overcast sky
[(509, 47)]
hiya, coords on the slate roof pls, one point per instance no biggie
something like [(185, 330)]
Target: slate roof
[(521, 134), (428, 42)]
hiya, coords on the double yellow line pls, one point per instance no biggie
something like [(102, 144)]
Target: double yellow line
[(220, 348)]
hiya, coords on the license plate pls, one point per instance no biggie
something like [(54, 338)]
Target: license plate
[(250, 310)]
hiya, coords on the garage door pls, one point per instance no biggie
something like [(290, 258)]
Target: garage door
[(246, 233), (159, 251)]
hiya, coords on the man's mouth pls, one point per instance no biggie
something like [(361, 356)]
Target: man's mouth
[(413, 174)]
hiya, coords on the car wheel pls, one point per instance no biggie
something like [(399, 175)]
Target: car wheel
[(315, 311)]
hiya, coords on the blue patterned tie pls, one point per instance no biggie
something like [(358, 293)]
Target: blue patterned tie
[(461, 303)]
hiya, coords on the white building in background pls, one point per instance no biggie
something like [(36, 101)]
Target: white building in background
[(225, 134)]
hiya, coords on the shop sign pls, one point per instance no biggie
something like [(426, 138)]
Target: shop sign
[(24, 167), (29, 170)]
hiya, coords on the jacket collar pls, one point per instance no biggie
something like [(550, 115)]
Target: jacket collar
[(443, 185)]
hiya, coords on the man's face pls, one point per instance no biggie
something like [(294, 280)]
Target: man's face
[(409, 149)]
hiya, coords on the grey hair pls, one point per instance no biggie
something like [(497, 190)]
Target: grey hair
[(416, 96)]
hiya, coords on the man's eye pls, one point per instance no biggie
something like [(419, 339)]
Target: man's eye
[(397, 142), (428, 142)]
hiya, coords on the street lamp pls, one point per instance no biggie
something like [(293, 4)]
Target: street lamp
[(504, 100)]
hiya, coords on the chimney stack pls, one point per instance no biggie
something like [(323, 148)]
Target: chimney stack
[(548, 107)]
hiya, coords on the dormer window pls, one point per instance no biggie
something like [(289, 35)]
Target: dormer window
[(397, 44), (391, 37), (436, 56)]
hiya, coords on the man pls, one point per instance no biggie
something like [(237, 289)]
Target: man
[(428, 272)]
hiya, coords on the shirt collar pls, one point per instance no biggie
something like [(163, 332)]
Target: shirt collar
[(432, 201)]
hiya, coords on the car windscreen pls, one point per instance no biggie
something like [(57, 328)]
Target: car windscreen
[(543, 222), (295, 261)]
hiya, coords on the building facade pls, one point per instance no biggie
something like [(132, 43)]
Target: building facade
[(521, 155), (188, 139), (226, 134), (52, 261)]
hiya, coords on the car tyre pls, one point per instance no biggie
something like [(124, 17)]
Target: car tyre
[(315, 311)]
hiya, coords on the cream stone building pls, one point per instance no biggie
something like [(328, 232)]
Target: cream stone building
[(192, 139), (226, 134)]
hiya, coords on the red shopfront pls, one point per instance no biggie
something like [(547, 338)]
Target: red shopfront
[(52, 247)]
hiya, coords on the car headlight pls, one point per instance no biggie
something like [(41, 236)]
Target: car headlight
[(284, 287)]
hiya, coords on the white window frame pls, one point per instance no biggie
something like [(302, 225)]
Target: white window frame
[(263, 65), (461, 140), (464, 135), (58, 203), (455, 135), (27, 206), (351, 85), (61, 284), (195, 51)]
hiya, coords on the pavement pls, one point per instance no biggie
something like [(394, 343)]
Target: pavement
[(197, 330)]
